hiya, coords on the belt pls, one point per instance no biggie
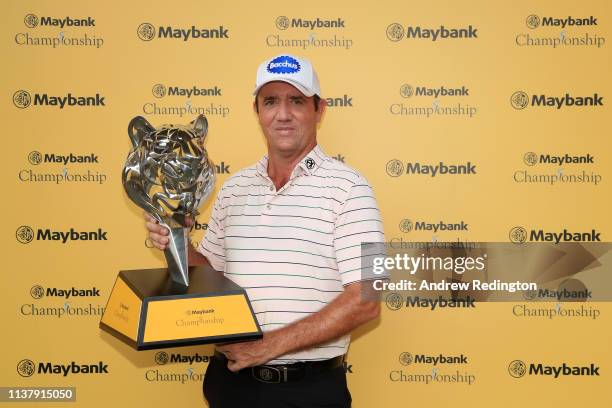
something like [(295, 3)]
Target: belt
[(274, 374)]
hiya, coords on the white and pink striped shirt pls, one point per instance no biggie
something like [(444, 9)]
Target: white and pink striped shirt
[(293, 249)]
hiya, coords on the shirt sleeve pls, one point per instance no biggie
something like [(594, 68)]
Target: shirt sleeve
[(359, 222), (212, 245)]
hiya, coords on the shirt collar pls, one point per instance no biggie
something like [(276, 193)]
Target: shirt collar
[(308, 165)]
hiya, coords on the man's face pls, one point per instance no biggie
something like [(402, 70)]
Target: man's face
[(287, 117)]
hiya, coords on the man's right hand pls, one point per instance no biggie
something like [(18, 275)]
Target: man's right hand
[(159, 237), (157, 234)]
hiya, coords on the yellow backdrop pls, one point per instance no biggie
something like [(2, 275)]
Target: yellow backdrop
[(404, 90)]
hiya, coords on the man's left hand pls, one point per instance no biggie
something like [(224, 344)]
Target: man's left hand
[(247, 354)]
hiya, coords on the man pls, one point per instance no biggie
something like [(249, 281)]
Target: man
[(289, 230)]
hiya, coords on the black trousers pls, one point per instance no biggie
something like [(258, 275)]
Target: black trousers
[(224, 389)]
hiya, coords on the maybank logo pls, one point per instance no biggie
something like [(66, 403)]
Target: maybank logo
[(519, 235), (407, 91), (440, 302), (163, 358), (408, 359), (64, 175), (35, 157), (531, 159), (25, 234), (518, 369), (147, 32), (407, 225), (396, 32), (47, 305), (533, 21), (60, 39), (22, 99), (447, 102), (520, 100), (191, 102), (27, 368), (557, 175), (160, 90), (438, 373), (559, 34), (283, 65), (321, 33), (283, 23), (395, 168), (395, 301), (32, 21), (37, 292)]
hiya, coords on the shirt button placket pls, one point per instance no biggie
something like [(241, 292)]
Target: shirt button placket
[(268, 206)]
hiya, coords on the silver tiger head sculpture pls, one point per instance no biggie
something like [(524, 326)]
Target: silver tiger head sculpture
[(169, 175)]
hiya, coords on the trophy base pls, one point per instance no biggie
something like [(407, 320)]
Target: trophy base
[(148, 310)]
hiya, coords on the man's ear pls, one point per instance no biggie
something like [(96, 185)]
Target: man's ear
[(321, 110), (255, 107)]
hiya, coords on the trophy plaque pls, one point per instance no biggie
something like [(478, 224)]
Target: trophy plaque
[(169, 175)]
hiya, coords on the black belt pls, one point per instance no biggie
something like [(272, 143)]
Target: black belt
[(275, 374)]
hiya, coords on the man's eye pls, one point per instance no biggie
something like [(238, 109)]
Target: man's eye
[(268, 102), (298, 101)]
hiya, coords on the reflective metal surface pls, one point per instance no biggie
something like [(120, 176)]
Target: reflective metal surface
[(168, 174)]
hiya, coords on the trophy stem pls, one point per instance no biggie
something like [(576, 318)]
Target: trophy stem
[(177, 255)]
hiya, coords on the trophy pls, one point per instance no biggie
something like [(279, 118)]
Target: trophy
[(168, 174)]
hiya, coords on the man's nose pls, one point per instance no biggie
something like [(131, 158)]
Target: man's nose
[(284, 111)]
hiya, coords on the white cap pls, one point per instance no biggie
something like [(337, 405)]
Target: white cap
[(291, 69)]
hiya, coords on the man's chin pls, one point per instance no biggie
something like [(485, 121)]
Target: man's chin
[(285, 144)]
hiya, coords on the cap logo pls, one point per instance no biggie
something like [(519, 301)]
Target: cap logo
[(283, 65)]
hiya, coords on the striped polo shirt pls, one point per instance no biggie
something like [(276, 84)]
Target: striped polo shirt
[(293, 249)]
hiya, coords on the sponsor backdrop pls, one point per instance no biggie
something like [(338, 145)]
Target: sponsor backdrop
[(473, 122)]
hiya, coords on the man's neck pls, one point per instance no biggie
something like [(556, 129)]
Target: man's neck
[(280, 166)]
